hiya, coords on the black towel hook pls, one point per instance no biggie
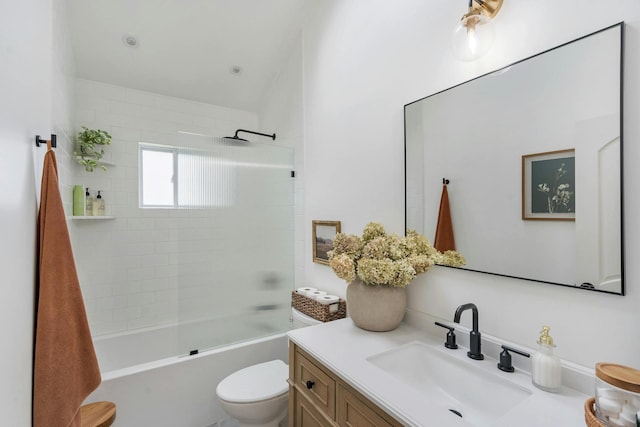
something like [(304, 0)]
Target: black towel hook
[(53, 140), (445, 181)]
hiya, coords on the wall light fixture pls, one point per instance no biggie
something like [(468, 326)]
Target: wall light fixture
[(474, 34)]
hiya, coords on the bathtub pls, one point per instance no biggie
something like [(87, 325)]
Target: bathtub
[(152, 386)]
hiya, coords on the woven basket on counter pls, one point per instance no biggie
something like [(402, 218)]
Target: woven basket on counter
[(590, 413), (321, 312)]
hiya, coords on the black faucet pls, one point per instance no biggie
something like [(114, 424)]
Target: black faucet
[(474, 336)]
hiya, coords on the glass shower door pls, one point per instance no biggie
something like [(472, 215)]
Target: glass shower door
[(235, 257)]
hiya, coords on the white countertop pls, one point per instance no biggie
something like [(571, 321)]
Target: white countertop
[(344, 348)]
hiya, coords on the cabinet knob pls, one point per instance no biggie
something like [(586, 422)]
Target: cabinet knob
[(310, 384)]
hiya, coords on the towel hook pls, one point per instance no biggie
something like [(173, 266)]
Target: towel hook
[(44, 141), (445, 181)]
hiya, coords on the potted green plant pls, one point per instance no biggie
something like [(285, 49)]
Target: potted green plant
[(378, 266), (89, 147)]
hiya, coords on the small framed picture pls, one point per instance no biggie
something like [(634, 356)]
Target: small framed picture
[(549, 186), (324, 232)]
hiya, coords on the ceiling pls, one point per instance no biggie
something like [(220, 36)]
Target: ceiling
[(186, 48)]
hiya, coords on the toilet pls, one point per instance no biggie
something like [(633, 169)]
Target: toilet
[(259, 394)]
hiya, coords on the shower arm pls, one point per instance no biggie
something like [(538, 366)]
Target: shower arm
[(255, 133)]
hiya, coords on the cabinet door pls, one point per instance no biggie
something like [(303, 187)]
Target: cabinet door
[(353, 412), (306, 415)]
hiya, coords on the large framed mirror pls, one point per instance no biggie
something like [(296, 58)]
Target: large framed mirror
[(533, 157)]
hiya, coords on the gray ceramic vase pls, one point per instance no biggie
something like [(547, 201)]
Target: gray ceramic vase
[(375, 308)]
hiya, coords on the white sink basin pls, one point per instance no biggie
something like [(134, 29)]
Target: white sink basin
[(478, 396)]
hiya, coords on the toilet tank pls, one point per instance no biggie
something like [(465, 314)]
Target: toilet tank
[(300, 320)]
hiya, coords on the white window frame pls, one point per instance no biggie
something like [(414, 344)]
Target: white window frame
[(175, 152)]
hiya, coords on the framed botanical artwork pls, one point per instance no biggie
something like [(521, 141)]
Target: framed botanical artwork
[(549, 186), (324, 232)]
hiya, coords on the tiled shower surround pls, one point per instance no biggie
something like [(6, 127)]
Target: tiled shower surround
[(153, 267)]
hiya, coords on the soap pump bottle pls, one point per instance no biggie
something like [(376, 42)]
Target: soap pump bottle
[(546, 369), (98, 205), (88, 203)]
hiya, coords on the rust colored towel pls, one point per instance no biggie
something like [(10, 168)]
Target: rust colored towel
[(65, 366), (444, 230)]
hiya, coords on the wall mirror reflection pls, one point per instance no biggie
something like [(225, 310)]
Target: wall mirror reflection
[(533, 156)]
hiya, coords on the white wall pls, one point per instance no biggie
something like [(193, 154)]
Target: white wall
[(360, 72), (63, 100), (36, 97)]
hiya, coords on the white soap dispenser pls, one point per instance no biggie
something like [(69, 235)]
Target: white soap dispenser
[(546, 369), (98, 205)]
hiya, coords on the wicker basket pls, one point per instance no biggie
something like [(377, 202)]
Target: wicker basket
[(321, 312), (590, 414)]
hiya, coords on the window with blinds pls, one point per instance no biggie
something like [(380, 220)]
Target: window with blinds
[(176, 177)]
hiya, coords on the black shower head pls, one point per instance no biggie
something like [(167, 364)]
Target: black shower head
[(237, 138)]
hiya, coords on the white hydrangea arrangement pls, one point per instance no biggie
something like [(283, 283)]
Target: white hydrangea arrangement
[(381, 259)]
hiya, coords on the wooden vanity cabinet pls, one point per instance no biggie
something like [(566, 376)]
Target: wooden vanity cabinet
[(319, 398)]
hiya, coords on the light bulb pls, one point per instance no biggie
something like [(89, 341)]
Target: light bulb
[(472, 37), (471, 40)]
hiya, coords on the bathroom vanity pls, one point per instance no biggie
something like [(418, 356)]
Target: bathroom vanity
[(340, 375), (318, 397)]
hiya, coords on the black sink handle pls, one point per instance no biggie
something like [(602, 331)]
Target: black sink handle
[(505, 358), (451, 336)]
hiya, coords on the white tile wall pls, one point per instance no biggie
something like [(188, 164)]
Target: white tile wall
[(130, 267)]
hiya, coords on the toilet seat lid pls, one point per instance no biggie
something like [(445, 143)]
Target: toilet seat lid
[(255, 383)]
